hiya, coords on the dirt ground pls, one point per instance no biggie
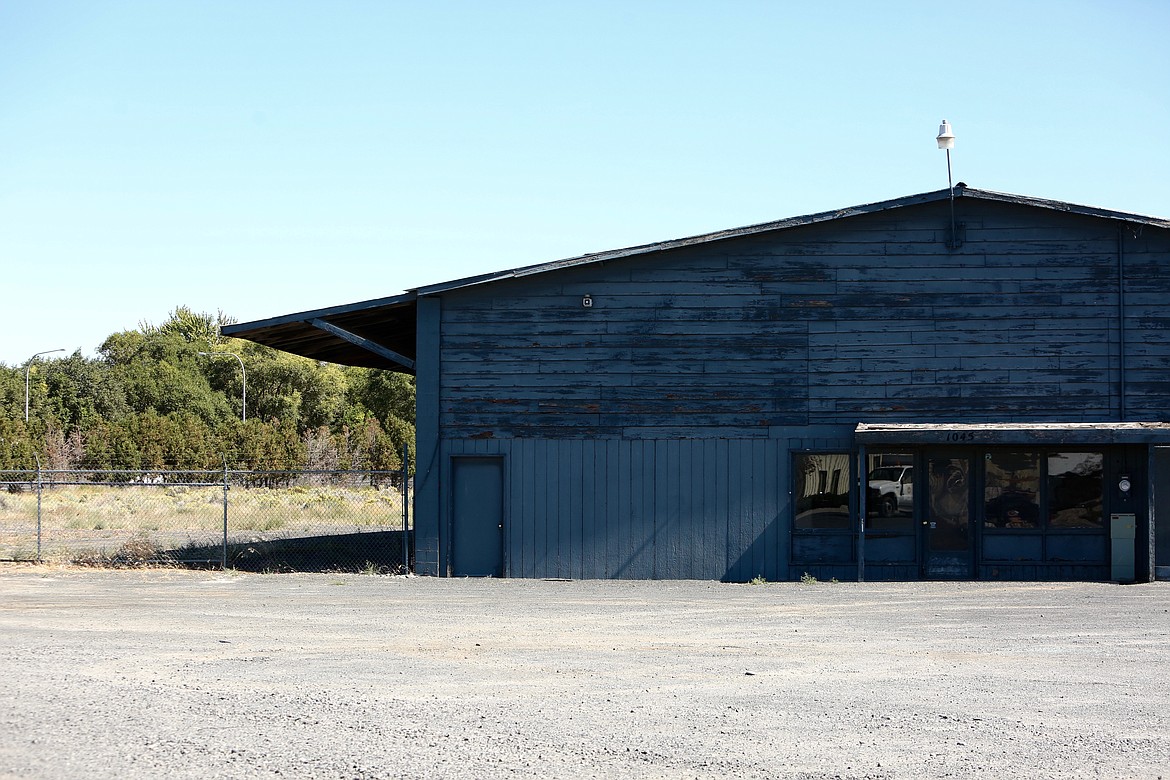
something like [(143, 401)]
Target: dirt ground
[(182, 674)]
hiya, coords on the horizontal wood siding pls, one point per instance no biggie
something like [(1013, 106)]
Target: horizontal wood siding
[(642, 509), (866, 318), (1147, 325)]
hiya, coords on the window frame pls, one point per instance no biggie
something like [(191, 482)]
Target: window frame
[(824, 481), (1044, 494)]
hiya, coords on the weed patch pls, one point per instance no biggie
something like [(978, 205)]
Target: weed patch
[(137, 552)]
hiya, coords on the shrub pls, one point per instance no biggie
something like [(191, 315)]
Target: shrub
[(139, 551)]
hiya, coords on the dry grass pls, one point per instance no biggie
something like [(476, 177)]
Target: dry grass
[(119, 522)]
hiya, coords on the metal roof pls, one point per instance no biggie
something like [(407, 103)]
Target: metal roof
[(329, 334)]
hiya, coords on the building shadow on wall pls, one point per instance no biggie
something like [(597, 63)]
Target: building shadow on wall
[(761, 556), (764, 556)]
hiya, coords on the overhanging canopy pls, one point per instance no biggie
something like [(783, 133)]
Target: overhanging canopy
[(373, 334)]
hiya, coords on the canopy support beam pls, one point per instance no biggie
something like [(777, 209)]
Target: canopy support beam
[(364, 343)]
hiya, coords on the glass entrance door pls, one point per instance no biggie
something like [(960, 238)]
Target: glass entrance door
[(946, 527)]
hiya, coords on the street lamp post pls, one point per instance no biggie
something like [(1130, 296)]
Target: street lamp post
[(946, 140), (243, 379), (27, 368)]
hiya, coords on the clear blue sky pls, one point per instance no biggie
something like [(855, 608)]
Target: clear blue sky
[(262, 158)]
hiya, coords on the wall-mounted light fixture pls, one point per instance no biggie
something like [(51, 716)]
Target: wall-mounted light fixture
[(587, 301)]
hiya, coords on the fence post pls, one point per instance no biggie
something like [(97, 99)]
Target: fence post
[(226, 488), (40, 489), (405, 508)]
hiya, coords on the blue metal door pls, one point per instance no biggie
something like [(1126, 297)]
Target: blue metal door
[(477, 517)]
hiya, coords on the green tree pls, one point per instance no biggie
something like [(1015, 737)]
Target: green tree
[(384, 447), (385, 393), (262, 446), (80, 390), (293, 389), (109, 446), (17, 447), (150, 400), (11, 393), (199, 328), (163, 372), (196, 445), (401, 437)]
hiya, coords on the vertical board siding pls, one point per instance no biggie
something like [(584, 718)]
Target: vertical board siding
[(541, 489), (714, 537), (592, 463), (620, 517), (641, 509), (573, 560)]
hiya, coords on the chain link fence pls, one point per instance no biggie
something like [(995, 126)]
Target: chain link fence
[(264, 521)]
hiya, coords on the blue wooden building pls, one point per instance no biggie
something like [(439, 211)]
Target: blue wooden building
[(973, 386)]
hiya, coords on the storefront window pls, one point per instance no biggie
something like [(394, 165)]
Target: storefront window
[(890, 501), (822, 490), (1075, 490), (1011, 493)]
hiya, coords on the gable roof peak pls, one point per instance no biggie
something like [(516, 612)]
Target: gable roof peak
[(961, 190)]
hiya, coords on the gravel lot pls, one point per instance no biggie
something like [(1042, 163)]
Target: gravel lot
[(208, 675)]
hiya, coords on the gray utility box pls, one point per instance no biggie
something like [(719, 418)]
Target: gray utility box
[(1122, 534)]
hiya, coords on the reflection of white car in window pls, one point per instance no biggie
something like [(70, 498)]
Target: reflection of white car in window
[(892, 487)]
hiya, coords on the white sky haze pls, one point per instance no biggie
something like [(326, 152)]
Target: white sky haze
[(262, 158)]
